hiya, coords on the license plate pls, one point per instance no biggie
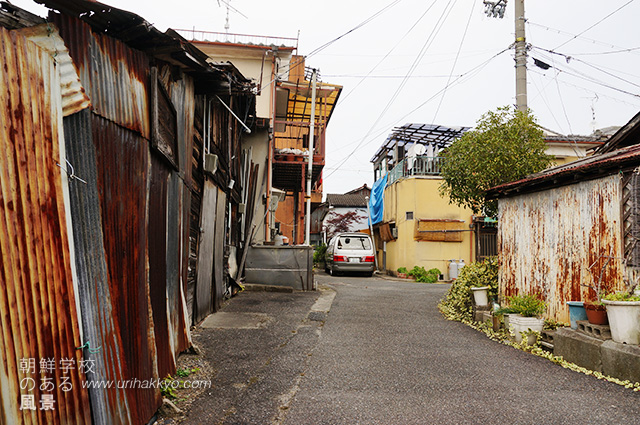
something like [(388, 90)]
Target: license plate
[(354, 260)]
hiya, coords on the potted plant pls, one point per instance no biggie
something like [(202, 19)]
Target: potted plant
[(529, 309), (596, 310), (576, 312), (480, 295), (623, 310), (402, 272)]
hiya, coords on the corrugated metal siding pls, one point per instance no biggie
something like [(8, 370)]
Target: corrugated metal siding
[(548, 240), (109, 405), (47, 37), (204, 290), (115, 76), (158, 263), (123, 163), (38, 314)]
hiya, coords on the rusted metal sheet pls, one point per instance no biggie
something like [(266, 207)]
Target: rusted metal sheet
[(553, 242), (115, 77), (177, 246), (123, 161), (47, 37), (218, 261), (204, 295), (157, 246), (38, 316), (101, 329)]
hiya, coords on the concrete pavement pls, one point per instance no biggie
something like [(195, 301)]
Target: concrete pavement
[(381, 353)]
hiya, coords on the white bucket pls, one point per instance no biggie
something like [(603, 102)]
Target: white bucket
[(624, 321), (480, 296), (523, 324)]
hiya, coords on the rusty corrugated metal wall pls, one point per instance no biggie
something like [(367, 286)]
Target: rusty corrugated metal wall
[(123, 163), (548, 240), (38, 314), (115, 77), (101, 329)]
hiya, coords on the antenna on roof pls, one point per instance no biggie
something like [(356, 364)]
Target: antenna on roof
[(227, 3)]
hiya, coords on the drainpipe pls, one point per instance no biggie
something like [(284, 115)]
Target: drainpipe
[(373, 239), (314, 78)]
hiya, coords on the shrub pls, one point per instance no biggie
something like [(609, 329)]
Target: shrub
[(457, 303), (403, 270), (423, 275), (318, 254), (526, 305)]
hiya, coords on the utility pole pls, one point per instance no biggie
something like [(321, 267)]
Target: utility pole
[(521, 58), (496, 9), (312, 127)]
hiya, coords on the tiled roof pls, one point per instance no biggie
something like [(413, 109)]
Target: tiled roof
[(346, 200)]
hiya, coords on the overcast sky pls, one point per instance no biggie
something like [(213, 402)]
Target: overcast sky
[(420, 47)]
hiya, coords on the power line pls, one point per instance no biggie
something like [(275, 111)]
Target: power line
[(455, 61), (588, 90), (387, 55), (421, 53), (568, 58), (600, 21), (470, 73), (290, 67), (621, 49)]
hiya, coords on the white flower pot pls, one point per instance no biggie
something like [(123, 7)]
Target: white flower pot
[(507, 321), (624, 321), (523, 324), (480, 295)]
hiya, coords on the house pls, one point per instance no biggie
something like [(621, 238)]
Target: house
[(413, 224), (122, 185), (565, 149), (284, 105), (351, 205), (573, 227)]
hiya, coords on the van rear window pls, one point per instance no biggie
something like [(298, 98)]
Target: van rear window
[(353, 242)]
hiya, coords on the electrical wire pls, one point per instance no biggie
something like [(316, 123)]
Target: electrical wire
[(464, 34), (469, 74), (588, 90), (421, 53), (621, 49), (588, 64), (290, 67), (544, 100), (343, 98), (597, 23)]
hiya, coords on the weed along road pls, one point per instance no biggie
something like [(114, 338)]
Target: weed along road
[(377, 351)]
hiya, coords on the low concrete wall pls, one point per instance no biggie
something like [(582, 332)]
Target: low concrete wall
[(290, 266), (611, 358)]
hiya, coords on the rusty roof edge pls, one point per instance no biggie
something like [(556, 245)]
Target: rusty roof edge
[(567, 174), (621, 135), (138, 33)]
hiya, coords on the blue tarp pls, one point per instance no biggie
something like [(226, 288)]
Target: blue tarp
[(376, 201)]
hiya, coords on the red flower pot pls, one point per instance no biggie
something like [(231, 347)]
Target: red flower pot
[(596, 314)]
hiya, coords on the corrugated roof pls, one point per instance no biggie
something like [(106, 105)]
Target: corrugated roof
[(423, 134), (583, 169), (346, 200)]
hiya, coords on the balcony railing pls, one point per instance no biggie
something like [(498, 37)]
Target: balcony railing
[(416, 166), (224, 37)]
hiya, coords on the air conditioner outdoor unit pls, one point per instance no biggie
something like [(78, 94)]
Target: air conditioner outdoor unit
[(210, 163)]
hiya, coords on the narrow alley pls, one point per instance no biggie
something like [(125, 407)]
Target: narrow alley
[(383, 354)]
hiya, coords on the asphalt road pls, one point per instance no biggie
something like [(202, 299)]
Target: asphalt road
[(383, 354)]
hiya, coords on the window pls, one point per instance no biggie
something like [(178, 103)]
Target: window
[(409, 215), (439, 230), (353, 242)]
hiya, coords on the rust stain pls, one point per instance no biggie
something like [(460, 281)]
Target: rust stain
[(37, 307), (549, 239)]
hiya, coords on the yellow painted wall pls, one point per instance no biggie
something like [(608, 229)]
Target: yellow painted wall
[(420, 195)]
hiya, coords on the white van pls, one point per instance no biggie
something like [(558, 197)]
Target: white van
[(350, 252)]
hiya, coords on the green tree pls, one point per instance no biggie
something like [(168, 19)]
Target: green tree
[(506, 145)]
